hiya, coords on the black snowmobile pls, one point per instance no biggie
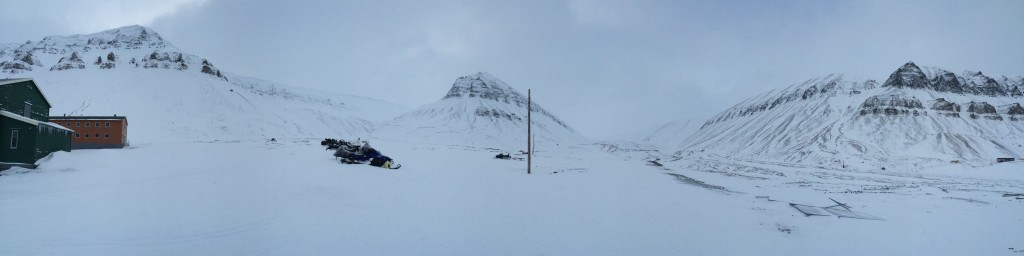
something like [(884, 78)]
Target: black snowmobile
[(355, 154)]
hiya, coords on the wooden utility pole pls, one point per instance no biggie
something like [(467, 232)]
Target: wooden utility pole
[(529, 133)]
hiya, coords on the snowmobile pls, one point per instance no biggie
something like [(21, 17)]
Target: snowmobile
[(507, 156), (354, 154)]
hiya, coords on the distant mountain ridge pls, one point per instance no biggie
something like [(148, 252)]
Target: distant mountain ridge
[(920, 114)]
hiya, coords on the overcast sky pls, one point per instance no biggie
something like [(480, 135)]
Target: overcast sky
[(606, 67)]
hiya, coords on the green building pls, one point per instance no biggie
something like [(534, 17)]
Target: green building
[(26, 133)]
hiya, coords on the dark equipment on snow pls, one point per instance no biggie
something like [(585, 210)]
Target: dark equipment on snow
[(351, 153), (507, 156)]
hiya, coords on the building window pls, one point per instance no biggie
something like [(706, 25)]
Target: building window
[(86, 135), (78, 135), (86, 124), (97, 124), (106, 135), (78, 124), (68, 124), (14, 139), (107, 124), (97, 135)]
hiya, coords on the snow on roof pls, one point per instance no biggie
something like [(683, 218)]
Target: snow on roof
[(13, 80), (88, 117), (55, 125), (19, 118), (18, 80), (32, 121)]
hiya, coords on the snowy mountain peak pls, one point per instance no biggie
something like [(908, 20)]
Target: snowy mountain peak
[(485, 86), (907, 76), (482, 111), (125, 47)]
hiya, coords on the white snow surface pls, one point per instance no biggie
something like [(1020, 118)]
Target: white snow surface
[(255, 197)]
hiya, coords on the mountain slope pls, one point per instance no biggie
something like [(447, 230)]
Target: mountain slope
[(916, 115), (170, 95), (481, 111), (668, 136)]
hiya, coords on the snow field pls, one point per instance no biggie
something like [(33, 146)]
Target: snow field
[(254, 197)]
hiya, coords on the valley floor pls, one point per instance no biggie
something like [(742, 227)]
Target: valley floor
[(254, 197)]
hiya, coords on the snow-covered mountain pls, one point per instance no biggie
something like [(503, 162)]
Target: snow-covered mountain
[(481, 111), (917, 115), (168, 94)]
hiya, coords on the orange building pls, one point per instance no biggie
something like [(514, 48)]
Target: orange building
[(95, 131)]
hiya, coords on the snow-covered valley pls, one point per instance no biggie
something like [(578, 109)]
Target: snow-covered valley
[(256, 197)]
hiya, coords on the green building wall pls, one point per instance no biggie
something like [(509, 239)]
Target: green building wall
[(26, 151), (13, 97)]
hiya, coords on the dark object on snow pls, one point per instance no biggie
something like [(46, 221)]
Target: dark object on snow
[(503, 156), (328, 141), (383, 162), (333, 144), (273, 139), (1004, 159), (355, 154)]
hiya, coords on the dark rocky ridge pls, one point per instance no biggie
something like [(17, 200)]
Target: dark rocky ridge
[(911, 76), (907, 76)]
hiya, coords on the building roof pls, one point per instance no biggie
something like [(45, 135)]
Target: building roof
[(32, 121), (19, 117), (12, 80), (55, 125), (88, 117), (19, 80)]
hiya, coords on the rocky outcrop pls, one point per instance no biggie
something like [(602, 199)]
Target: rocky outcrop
[(1015, 91), (1014, 109), (210, 70), (947, 82), (983, 110), (69, 62), (497, 113), (892, 104), (165, 60), (946, 108), (14, 67)]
